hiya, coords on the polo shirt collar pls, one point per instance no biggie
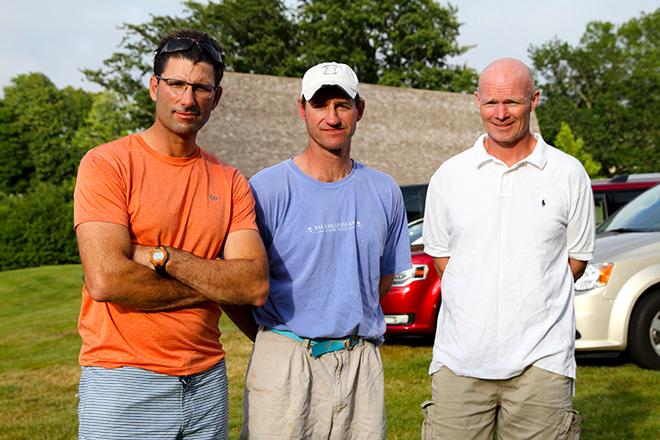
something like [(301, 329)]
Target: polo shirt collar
[(538, 158)]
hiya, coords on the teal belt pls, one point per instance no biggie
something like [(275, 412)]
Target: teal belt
[(321, 346)]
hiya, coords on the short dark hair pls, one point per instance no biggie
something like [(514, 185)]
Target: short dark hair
[(194, 54), (358, 99)]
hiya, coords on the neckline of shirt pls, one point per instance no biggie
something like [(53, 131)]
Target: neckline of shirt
[(324, 185), (538, 156), (171, 160)]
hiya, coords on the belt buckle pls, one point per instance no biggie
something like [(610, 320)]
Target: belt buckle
[(331, 345)]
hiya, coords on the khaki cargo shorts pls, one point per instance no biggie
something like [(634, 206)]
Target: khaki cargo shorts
[(291, 395), (537, 404)]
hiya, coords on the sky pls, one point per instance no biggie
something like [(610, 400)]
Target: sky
[(60, 37)]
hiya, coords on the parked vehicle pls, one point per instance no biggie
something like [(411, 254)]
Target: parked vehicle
[(612, 194), (617, 300), (411, 306), (609, 194), (414, 197)]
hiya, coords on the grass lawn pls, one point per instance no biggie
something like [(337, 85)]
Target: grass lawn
[(39, 371)]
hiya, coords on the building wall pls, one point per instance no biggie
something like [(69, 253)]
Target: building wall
[(405, 132)]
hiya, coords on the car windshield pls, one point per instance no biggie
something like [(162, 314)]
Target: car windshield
[(640, 215), (415, 231)]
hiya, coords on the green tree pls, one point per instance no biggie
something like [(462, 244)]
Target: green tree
[(607, 86), (257, 36), (105, 121), (38, 125), (43, 120), (16, 165), (390, 42), (567, 142)]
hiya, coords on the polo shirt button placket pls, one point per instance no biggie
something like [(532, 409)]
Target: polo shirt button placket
[(506, 183)]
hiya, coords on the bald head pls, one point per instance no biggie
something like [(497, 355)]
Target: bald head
[(508, 71), (506, 98)]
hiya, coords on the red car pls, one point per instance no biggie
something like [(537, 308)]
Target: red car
[(412, 304)]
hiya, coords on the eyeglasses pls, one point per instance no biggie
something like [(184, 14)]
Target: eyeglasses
[(179, 86), (185, 43)]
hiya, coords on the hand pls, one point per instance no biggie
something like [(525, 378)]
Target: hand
[(140, 254)]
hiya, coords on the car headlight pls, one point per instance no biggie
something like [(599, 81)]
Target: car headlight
[(595, 275), (416, 273)]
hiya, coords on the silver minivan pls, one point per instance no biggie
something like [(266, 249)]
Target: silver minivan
[(617, 300)]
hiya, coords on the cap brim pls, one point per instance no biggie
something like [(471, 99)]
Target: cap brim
[(309, 93)]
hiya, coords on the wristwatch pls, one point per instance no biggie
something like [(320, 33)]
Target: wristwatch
[(158, 257)]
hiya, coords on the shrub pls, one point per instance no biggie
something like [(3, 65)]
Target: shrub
[(36, 228)]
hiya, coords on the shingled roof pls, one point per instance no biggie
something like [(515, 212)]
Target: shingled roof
[(405, 132)]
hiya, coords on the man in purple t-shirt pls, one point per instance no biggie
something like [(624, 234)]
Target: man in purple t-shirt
[(336, 234)]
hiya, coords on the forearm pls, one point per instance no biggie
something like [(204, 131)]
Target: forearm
[(237, 281), (243, 318), (577, 268), (385, 284), (134, 286), (111, 273), (440, 265)]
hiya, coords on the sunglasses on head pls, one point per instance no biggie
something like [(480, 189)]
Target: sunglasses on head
[(185, 43)]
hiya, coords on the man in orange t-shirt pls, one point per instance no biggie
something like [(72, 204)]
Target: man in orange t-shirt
[(166, 234)]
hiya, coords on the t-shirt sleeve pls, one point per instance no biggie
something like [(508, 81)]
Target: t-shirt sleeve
[(262, 210), (396, 255), (242, 212), (580, 231), (100, 192), (435, 230)]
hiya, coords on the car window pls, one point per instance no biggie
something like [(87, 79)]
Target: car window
[(601, 207), (641, 214), (415, 231), (617, 199), (414, 197), (607, 201)]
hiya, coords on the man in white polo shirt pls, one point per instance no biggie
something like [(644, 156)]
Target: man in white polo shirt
[(510, 225)]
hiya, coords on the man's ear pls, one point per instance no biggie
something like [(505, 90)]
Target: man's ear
[(153, 88), (360, 105), (301, 108), (216, 98), (477, 99), (536, 97)]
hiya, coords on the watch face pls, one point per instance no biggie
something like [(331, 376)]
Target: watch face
[(158, 255)]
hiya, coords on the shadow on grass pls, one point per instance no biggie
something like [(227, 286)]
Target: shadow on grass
[(601, 359), (409, 341)]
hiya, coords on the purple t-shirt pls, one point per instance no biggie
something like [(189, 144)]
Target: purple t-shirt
[(328, 245)]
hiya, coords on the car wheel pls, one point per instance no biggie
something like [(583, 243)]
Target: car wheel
[(644, 335)]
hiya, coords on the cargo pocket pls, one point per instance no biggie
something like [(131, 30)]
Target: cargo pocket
[(427, 409), (570, 426)]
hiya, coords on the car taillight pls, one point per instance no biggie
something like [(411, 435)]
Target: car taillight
[(415, 273)]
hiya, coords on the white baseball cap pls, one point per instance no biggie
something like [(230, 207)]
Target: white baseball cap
[(329, 74)]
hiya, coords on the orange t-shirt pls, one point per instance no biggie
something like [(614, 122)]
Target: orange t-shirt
[(189, 203)]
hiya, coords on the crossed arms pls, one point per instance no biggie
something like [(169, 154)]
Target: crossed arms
[(117, 271)]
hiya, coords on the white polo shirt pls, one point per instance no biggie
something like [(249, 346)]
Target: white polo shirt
[(507, 291)]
